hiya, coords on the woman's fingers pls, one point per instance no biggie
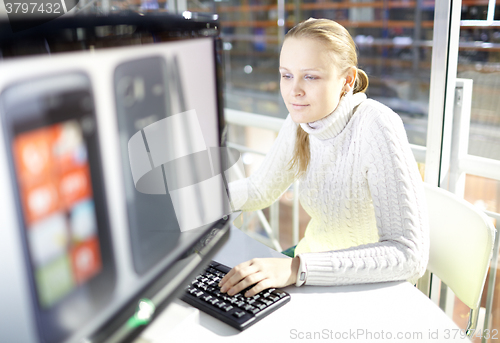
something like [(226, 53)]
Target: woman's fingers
[(259, 287), (231, 275), (261, 273), (245, 282), (240, 277), (235, 275)]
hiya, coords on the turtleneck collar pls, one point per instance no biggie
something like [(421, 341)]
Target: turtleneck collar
[(335, 122)]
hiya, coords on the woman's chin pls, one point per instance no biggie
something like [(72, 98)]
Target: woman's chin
[(299, 118)]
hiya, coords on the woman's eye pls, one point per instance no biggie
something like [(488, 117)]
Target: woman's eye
[(286, 76), (310, 77)]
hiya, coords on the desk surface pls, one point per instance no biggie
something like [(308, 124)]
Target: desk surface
[(391, 311)]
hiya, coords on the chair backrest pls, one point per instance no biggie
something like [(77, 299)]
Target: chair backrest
[(461, 244)]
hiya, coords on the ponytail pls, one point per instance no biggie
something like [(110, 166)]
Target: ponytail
[(301, 154), (361, 83)]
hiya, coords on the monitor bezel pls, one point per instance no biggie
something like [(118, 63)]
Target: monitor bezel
[(175, 28)]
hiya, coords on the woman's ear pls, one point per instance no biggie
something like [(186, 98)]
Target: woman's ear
[(350, 78)]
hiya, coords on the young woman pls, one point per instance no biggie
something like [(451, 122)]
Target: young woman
[(359, 181)]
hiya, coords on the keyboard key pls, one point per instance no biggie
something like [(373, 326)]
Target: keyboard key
[(260, 305), (267, 302), (248, 307), (240, 303), (280, 294), (239, 314), (273, 298), (237, 310), (255, 310)]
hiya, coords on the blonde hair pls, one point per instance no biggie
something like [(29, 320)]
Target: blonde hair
[(344, 56)]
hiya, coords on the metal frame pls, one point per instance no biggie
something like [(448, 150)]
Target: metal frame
[(489, 18), (441, 98)]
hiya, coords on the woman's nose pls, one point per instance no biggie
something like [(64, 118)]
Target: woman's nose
[(297, 89)]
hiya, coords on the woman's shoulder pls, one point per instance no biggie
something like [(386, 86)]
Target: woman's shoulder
[(372, 112)]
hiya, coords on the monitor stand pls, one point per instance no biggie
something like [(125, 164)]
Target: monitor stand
[(177, 313)]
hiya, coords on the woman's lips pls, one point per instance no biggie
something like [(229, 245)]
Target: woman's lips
[(299, 106)]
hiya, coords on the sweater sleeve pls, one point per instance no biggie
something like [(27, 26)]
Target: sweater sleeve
[(272, 178), (399, 203)]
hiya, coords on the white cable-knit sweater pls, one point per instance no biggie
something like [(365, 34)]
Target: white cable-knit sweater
[(362, 190)]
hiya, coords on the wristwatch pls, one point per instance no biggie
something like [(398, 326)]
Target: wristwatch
[(302, 273)]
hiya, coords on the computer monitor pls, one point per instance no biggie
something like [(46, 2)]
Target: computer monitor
[(112, 175)]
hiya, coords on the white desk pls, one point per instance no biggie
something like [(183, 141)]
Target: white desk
[(361, 313)]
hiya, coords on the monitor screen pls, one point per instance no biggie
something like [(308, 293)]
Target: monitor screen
[(114, 184)]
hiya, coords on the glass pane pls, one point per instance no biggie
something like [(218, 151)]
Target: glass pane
[(251, 43), (394, 41), (479, 60), (485, 194), (474, 10)]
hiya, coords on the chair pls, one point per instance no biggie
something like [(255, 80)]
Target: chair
[(461, 245)]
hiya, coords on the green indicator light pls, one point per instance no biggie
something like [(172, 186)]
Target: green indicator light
[(143, 314)]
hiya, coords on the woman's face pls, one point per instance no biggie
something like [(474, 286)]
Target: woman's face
[(310, 84)]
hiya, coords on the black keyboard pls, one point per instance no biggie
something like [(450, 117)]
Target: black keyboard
[(237, 310)]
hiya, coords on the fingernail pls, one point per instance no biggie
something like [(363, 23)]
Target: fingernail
[(223, 289), (230, 292), (247, 294)]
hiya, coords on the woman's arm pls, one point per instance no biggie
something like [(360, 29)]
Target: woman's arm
[(263, 272), (273, 176), (400, 210)]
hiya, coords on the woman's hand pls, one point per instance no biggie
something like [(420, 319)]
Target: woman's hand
[(263, 272)]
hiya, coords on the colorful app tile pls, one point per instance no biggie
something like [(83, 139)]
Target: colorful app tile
[(75, 186), (40, 201), (54, 281), (83, 221), (48, 239), (69, 149), (33, 155), (86, 260)]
